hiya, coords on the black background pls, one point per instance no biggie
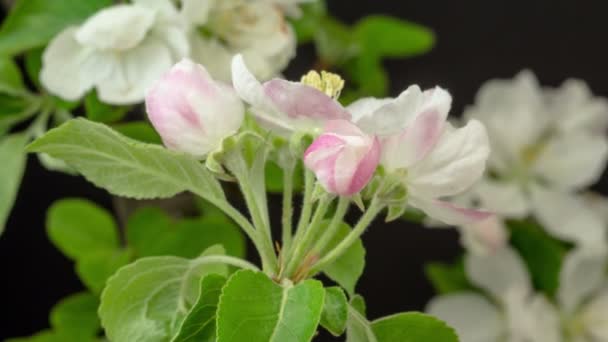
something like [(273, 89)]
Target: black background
[(476, 41)]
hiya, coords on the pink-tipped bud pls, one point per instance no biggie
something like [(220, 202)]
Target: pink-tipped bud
[(343, 158), (192, 112)]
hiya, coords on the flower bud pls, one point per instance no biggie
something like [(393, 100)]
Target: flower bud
[(192, 112), (343, 158)]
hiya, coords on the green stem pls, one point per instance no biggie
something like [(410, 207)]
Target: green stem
[(372, 211), (341, 209), (307, 204), (302, 247), (286, 220)]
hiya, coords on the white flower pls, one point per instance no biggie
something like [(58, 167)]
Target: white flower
[(512, 312), (192, 112), (121, 51), (256, 29), (547, 144), (433, 159)]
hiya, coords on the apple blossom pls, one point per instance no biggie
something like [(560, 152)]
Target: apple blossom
[(432, 159), (284, 106), (547, 144), (343, 158), (121, 51), (512, 313), (192, 112), (257, 29)]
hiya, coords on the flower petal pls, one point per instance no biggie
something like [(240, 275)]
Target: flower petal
[(455, 163), (587, 155), (485, 236), (503, 198), (135, 73), (69, 70), (118, 27), (474, 317), (498, 273), (567, 217), (583, 273), (447, 212), (594, 317), (197, 11)]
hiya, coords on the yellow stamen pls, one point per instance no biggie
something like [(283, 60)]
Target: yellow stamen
[(327, 82)]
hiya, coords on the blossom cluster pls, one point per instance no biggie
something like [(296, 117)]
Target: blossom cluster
[(404, 142), (123, 49)]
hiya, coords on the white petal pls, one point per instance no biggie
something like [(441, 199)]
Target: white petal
[(474, 318), (119, 27), (457, 161), (595, 317), (393, 116), (197, 11), (176, 39), (214, 55), (447, 212), (138, 70), (586, 157), (583, 272), (247, 86), (165, 10), (62, 64), (484, 237), (502, 198), (531, 317), (366, 106), (498, 273), (565, 216)]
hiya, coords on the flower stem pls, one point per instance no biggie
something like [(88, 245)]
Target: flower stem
[(228, 260), (301, 246), (307, 204), (341, 209), (286, 219), (372, 211)]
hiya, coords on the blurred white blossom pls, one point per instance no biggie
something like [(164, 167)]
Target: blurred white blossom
[(121, 51), (547, 145)]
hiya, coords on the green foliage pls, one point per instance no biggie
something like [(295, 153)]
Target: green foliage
[(101, 112), (347, 269), (13, 159), (254, 308), (125, 167), (447, 278), (76, 316), (95, 268), (542, 254), (11, 81), (306, 25), (78, 228), (150, 232), (335, 311), (412, 327), (148, 299), (32, 23), (199, 325), (138, 130)]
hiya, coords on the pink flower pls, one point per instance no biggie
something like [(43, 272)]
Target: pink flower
[(192, 112), (343, 158), (285, 106)]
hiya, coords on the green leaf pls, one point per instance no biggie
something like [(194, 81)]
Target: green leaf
[(334, 41), (13, 159), (102, 112), (76, 316), (46, 336), (33, 23), (151, 232), (33, 65), (358, 328), (306, 25), (385, 36), (447, 278), (94, 269), (335, 311), (358, 303), (79, 228), (125, 167), (138, 130), (254, 308), (10, 77), (412, 327), (199, 325), (347, 269), (148, 299), (542, 254), (369, 75)]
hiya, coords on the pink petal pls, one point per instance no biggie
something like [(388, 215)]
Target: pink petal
[(299, 100), (366, 168), (449, 213)]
